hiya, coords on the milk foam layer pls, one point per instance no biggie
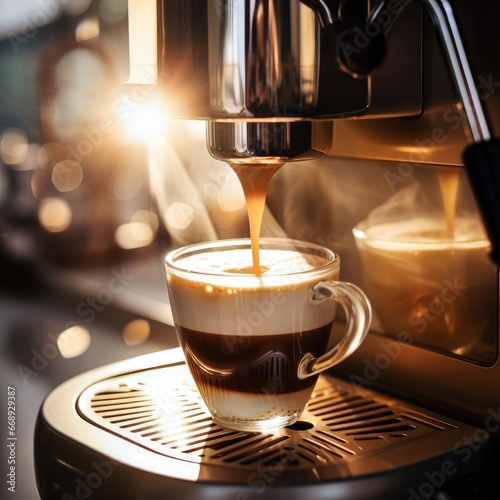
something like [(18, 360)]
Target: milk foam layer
[(239, 262), (225, 298), (423, 232)]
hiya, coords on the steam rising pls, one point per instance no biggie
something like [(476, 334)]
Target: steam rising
[(420, 214), (436, 285), (199, 198)]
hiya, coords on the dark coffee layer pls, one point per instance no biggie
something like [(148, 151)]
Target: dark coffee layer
[(263, 364)]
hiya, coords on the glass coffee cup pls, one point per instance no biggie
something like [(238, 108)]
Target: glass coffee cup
[(255, 344), (441, 292)]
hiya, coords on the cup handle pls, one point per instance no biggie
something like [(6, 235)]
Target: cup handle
[(358, 313)]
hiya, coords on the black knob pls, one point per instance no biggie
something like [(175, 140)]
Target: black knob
[(359, 51)]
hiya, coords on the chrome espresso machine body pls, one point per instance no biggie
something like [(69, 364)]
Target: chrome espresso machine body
[(366, 102)]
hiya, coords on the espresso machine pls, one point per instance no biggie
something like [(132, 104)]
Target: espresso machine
[(392, 93)]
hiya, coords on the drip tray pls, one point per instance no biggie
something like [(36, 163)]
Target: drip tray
[(139, 429), (162, 411)]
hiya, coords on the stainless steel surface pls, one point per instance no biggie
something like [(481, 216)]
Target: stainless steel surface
[(437, 137), (161, 410), (273, 142), (240, 66), (444, 19), (395, 89), (263, 59), (139, 429)]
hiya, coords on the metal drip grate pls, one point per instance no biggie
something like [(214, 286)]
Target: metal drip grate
[(161, 410)]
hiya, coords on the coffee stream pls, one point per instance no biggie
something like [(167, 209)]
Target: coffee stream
[(448, 182), (254, 179)]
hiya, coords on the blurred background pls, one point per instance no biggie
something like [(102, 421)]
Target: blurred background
[(81, 240)]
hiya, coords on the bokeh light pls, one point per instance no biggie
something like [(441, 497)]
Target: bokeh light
[(67, 175), (13, 146), (87, 29), (136, 332), (80, 70), (179, 215), (133, 235), (73, 341), (230, 197), (55, 214), (139, 232), (147, 217)]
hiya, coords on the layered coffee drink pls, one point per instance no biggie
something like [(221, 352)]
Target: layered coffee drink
[(244, 335)]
